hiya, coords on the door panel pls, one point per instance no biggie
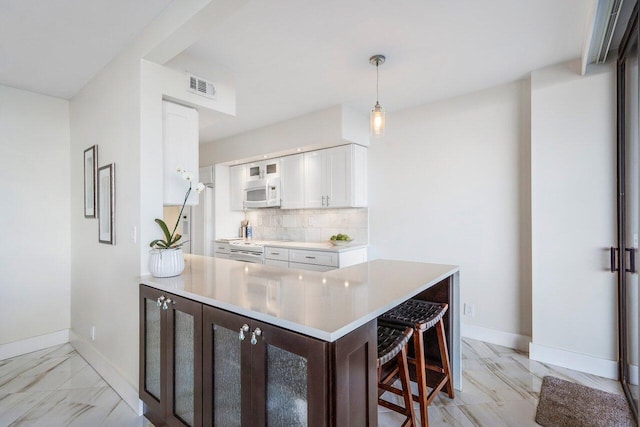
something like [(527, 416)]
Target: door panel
[(289, 385), (151, 353), (226, 369), (184, 362), (628, 209), (632, 158)]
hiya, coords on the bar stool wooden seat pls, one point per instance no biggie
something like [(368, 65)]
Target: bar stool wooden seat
[(422, 316), (392, 344)]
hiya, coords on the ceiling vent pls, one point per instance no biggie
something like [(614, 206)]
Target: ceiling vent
[(612, 15), (202, 87)]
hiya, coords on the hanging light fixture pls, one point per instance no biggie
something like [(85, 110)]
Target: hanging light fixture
[(376, 124)]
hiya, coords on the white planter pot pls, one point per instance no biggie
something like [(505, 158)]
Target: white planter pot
[(166, 262)]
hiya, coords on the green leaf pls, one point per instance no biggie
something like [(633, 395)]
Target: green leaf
[(165, 230), (175, 239)]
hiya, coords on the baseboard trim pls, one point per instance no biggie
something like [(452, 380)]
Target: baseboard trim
[(112, 375), (576, 361), (29, 345), (633, 374), (492, 336)]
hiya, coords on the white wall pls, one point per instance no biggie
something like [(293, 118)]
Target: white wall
[(449, 184), (573, 205), (325, 128), (34, 183), (124, 118), (104, 290)]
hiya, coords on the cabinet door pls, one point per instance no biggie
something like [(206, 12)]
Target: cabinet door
[(151, 381), (226, 369), (292, 182), (289, 386), (315, 172), (253, 171), (270, 168), (180, 148), (237, 180), (184, 362), (338, 185)]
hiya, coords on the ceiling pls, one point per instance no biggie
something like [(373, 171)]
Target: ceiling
[(292, 57), (56, 47)]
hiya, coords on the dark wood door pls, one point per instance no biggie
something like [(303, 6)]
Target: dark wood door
[(183, 338), (226, 369), (151, 385), (289, 378)]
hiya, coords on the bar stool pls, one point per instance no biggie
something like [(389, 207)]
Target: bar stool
[(392, 344), (422, 316)]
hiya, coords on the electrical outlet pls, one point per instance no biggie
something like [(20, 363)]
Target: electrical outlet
[(469, 310), (92, 334)]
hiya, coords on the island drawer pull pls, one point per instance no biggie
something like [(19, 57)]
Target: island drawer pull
[(310, 257), (256, 332), (275, 253), (245, 328)]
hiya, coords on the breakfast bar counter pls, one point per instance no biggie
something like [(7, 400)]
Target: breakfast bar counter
[(323, 325)]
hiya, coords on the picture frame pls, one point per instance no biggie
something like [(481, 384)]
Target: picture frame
[(90, 181), (106, 203)]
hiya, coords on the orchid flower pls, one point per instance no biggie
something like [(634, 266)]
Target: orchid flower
[(171, 239)]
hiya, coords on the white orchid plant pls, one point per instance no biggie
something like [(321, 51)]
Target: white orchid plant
[(172, 240)]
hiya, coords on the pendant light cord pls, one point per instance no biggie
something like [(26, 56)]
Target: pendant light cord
[(377, 83)]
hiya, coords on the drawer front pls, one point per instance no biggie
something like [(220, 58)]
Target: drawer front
[(314, 257), (222, 255), (222, 248), (276, 253), (312, 267), (277, 263)]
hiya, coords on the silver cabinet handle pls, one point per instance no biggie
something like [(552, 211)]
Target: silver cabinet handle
[(327, 200), (165, 304), (256, 333), (159, 300), (310, 257), (322, 200), (245, 328), (275, 253)]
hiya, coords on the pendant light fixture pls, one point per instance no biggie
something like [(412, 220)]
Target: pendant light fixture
[(376, 124)]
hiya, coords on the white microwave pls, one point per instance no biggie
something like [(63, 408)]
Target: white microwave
[(262, 193)]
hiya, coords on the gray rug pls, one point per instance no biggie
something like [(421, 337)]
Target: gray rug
[(563, 403)]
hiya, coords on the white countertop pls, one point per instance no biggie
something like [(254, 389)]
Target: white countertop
[(324, 305)]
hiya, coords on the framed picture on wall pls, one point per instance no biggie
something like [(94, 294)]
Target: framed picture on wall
[(106, 203), (90, 181)]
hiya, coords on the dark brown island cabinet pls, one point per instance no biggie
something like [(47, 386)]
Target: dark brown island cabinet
[(201, 365)]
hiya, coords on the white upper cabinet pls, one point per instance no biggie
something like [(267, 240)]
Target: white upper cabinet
[(292, 182), (315, 176), (237, 179), (336, 177), (180, 148), (262, 170)]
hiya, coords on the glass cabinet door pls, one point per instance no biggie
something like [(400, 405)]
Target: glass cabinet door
[(184, 362), (226, 358), (288, 372), (151, 349)]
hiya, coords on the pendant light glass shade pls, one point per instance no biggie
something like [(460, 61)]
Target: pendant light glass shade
[(376, 123)]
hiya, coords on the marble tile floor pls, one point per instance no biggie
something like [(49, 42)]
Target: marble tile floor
[(56, 387)]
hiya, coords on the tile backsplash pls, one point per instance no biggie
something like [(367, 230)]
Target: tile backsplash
[(309, 225)]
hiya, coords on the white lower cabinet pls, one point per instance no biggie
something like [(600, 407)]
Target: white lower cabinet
[(305, 259)]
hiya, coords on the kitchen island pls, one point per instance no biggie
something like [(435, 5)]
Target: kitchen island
[(230, 343)]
